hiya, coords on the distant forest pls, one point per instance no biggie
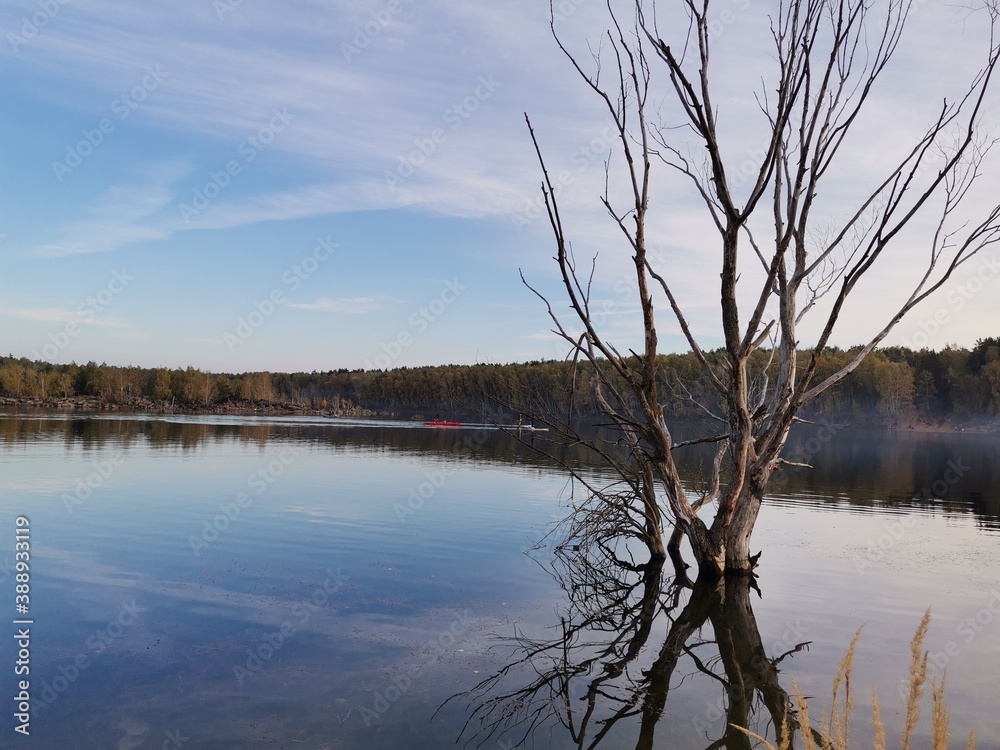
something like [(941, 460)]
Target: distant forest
[(892, 386)]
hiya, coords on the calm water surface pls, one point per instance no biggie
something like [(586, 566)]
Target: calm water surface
[(280, 583)]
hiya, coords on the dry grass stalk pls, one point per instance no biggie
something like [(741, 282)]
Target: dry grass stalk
[(786, 735), (803, 711), (939, 717), (755, 736), (877, 724), (836, 729), (838, 726), (918, 676)]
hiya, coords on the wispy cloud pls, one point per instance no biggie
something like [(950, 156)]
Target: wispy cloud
[(298, 203), (255, 70), (348, 305), (99, 237), (122, 214), (62, 315), (362, 124), (542, 336)]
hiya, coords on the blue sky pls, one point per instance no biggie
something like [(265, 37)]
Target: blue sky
[(348, 183)]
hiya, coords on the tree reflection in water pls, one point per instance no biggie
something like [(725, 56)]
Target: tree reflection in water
[(608, 664)]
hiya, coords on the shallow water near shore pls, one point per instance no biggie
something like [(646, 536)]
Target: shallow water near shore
[(230, 582)]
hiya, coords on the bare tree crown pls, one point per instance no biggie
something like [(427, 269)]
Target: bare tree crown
[(776, 268)]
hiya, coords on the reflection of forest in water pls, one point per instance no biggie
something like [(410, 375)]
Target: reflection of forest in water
[(955, 472), (626, 637)]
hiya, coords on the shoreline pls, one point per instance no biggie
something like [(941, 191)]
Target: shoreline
[(92, 404)]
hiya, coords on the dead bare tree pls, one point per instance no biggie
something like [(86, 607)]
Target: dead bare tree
[(828, 56)]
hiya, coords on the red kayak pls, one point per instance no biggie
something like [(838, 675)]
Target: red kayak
[(440, 423)]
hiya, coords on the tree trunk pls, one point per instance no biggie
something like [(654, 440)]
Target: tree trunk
[(725, 548), (709, 552), (657, 550), (653, 517), (750, 670), (736, 534)]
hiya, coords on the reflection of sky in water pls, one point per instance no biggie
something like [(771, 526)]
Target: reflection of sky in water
[(337, 508)]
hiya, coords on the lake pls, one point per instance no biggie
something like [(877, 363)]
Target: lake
[(210, 582)]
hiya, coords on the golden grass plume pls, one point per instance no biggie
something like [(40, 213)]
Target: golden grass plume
[(835, 731)]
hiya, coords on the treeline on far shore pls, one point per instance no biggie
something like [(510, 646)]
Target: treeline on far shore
[(892, 386)]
